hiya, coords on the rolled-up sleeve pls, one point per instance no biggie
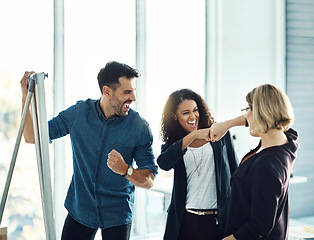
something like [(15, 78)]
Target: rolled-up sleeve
[(143, 153), (60, 125)]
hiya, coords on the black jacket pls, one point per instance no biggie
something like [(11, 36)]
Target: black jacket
[(259, 196), (226, 162)]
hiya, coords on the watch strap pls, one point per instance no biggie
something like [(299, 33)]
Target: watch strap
[(126, 175)]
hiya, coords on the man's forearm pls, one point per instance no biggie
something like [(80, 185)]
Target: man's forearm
[(28, 131), (142, 178)]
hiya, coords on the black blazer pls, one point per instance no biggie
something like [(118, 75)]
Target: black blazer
[(259, 206), (226, 162)]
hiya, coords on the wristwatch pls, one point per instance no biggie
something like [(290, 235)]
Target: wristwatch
[(129, 172)]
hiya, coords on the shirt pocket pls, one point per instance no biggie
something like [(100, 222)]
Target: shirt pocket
[(125, 151)]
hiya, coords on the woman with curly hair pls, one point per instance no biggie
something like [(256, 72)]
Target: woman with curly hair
[(202, 169)]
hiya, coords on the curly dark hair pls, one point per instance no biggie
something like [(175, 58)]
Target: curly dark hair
[(171, 130)]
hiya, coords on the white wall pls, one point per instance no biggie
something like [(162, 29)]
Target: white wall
[(251, 53)]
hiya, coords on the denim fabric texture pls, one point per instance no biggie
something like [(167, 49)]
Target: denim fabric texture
[(97, 197)]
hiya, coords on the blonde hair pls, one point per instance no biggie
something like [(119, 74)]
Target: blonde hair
[(271, 108)]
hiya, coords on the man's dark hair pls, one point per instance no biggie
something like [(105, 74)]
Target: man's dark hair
[(110, 74)]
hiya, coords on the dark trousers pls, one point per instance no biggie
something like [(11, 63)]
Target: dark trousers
[(199, 227), (74, 230)]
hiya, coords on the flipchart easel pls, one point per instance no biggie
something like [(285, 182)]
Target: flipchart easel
[(36, 98)]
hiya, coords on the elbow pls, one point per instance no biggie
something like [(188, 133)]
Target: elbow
[(162, 165), (148, 183)]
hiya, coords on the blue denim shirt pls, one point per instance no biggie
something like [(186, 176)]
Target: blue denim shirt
[(97, 197)]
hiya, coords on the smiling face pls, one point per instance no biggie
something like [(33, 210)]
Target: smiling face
[(187, 115), (122, 97)]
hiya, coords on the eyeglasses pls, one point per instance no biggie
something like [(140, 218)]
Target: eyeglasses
[(244, 110)]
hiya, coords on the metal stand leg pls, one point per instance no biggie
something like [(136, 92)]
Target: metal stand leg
[(36, 98), (13, 159), (42, 152)]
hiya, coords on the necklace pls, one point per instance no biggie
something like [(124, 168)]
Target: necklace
[(198, 169)]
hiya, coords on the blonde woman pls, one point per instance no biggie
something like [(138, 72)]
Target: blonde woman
[(259, 187)]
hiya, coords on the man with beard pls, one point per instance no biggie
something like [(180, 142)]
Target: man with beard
[(107, 137)]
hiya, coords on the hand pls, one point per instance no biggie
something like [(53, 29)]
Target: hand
[(200, 134), (230, 237), (116, 162), (203, 134), (217, 131), (24, 84)]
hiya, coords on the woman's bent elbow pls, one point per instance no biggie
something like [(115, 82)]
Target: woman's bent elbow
[(163, 166)]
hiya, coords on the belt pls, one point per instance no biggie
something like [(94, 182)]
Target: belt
[(202, 213)]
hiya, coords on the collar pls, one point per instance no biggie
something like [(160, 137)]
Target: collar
[(102, 116)]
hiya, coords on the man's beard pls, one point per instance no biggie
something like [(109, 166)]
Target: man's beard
[(121, 110)]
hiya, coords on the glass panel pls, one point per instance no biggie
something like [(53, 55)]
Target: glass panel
[(26, 44)]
